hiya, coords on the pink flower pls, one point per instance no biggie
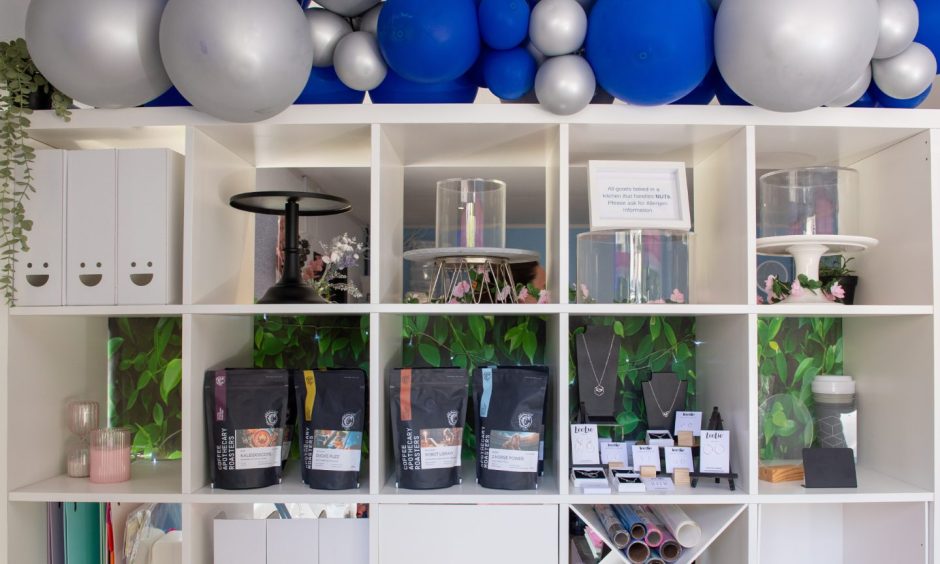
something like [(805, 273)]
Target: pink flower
[(545, 296), (837, 291), (584, 291), (504, 293), (660, 301), (795, 289), (461, 289), (453, 301), (523, 294), (760, 300), (769, 285), (677, 296)]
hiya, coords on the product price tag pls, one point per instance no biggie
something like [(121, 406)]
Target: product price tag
[(645, 455), (584, 445), (689, 421), (678, 457), (716, 452)]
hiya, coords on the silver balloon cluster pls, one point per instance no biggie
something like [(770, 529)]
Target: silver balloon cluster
[(344, 37), (564, 83)]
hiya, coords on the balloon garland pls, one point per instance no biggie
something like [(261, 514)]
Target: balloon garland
[(251, 62)]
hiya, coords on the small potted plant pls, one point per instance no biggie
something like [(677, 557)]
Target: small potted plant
[(839, 272)]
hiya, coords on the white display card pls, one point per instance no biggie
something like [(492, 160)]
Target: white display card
[(664, 484), (638, 195), (584, 445), (715, 452), (615, 452), (689, 421), (678, 457), (645, 455)]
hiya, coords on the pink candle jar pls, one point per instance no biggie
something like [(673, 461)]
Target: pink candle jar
[(110, 455)]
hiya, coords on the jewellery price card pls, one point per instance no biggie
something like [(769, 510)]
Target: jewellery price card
[(584, 445), (678, 457), (689, 421), (645, 455), (715, 452), (664, 484), (615, 452)]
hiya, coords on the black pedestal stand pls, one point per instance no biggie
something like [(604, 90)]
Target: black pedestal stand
[(290, 288)]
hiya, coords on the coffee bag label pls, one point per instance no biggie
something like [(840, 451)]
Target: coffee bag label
[(338, 451), (512, 451), (440, 448), (257, 448)]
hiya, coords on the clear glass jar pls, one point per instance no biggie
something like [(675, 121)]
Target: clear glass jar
[(471, 212), (808, 201)]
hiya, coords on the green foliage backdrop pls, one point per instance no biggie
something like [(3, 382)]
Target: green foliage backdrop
[(305, 342)]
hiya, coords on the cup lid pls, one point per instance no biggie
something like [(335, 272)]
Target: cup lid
[(828, 384)]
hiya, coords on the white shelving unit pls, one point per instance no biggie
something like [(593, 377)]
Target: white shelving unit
[(891, 338)]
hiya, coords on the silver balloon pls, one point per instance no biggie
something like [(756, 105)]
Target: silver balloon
[(557, 27), (906, 75), (326, 29), (899, 23), (238, 65), (536, 54), (854, 92), (348, 8), (565, 85), (104, 53), (794, 55), (358, 62), (370, 20)]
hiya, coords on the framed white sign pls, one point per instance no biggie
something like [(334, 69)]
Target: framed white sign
[(638, 195)]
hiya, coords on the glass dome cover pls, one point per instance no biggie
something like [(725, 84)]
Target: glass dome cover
[(819, 200), (471, 212)]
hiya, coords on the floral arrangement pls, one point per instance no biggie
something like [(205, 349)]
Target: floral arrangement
[(481, 285), (676, 297), (778, 290), (326, 273)]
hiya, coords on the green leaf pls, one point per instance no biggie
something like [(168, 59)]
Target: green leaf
[(175, 455), (421, 323), (633, 325), (145, 378), (670, 334), (529, 345), (782, 371), (478, 328), (655, 327), (271, 345), (114, 344), (172, 377), (157, 414), (802, 369), (618, 328), (628, 420), (430, 354)]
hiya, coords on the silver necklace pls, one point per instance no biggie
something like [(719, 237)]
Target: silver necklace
[(671, 406), (599, 388)]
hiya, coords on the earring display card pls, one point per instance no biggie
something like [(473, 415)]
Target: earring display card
[(645, 455), (585, 448), (615, 452), (598, 350), (715, 452), (689, 421), (678, 457), (39, 273), (90, 227)]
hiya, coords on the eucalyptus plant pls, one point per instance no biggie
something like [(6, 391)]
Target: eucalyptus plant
[(19, 80)]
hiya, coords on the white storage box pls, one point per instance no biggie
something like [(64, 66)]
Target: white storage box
[(39, 273), (239, 541), (295, 540), (343, 540), (90, 227)]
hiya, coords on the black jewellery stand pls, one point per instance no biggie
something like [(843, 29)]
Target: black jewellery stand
[(290, 289)]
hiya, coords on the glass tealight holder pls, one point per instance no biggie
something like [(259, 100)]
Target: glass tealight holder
[(82, 416), (808, 201), (634, 266), (471, 212), (110, 455), (77, 457)]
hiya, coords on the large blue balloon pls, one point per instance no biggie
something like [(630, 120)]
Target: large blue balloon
[(650, 52), (397, 90), (928, 31), (171, 97), (504, 24), (882, 100), (704, 93), (324, 87), (429, 41), (510, 74)]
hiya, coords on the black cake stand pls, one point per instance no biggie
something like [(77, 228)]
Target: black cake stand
[(290, 289)]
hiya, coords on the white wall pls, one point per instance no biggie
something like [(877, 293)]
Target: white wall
[(12, 19)]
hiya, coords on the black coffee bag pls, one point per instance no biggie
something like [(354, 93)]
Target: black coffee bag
[(246, 411), (428, 409), (332, 409), (509, 405)]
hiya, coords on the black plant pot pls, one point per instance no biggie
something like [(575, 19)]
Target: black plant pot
[(40, 100), (848, 284)]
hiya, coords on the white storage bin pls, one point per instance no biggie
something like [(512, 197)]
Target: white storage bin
[(239, 541), (90, 227), (295, 540), (39, 272), (343, 540)]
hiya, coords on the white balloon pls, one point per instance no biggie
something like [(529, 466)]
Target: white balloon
[(239, 65), (565, 85), (794, 55), (854, 92), (899, 22), (358, 61), (326, 29), (557, 27), (370, 20), (348, 7), (907, 75), (104, 53)]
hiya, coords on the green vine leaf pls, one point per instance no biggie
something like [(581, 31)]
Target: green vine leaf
[(113, 345), (172, 377), (430, 354), (478, 328)]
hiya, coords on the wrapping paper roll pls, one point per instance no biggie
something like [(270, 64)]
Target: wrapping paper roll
[(637, 552), (654, 534), (670, 550), (631, 521), (618, 535), (654, 558), (682, 527)]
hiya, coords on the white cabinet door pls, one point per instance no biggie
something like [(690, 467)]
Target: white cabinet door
[(295, 541), (344, 540), (39, 273), (90, 228), (239, 541)]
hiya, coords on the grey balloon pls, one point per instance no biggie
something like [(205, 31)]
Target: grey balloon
[(358, 62), (104, 53), (245, 64), (794, 55), (906, 75), (899, 23), (557, 27), (565, 85), (348, 8), (326, 29), (850, 96), (370, 20), (536, 54)]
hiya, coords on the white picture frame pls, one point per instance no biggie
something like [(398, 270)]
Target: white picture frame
[(638, 195)]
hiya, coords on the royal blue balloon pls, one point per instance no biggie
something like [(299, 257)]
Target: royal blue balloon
[(429, 41), (704, 93), (504, 24), (882, 100), (475, 74), (397, 90), (867, 100), (324, 87), (928, 31), (650, 52), (726, 96), (171, 97), (510, 74)]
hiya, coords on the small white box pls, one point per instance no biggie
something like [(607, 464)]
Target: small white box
[(39, 273), (589, 476), (660, 438), (239, 541), (90, 218), (344, 540), (627, 482), (149, 227), (294, 540)]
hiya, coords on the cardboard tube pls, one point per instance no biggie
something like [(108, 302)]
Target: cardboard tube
[(682, 527), (630, 520), (670, 550), (654, 534), (637, 552), (618, 535)]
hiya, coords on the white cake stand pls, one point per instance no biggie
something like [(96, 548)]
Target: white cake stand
[(806, 251), (452, 265)]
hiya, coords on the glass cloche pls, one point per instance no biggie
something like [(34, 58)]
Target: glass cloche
[(471, 212)]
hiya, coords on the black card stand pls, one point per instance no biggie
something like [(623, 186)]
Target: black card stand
[(290, 289), (671, 392), (604, 349), (715, 424)]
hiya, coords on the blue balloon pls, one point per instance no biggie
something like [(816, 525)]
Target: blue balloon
[(650, 52), (867, 100), (704, 93), (324, 87), (171, 97), (432, 41), (475, 74), (726, 96), (504, 24), (510, 74), (397, 90), (884, 101), (928, 31)]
